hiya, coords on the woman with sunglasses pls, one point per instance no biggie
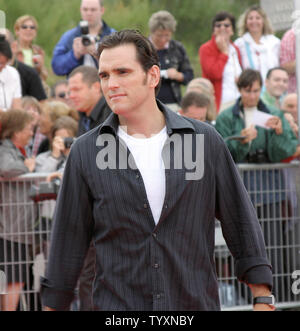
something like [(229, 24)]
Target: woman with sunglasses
[(26, 28), (221, 61), (259, 47)]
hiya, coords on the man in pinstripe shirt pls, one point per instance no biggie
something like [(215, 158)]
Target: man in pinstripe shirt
[(152, 253)]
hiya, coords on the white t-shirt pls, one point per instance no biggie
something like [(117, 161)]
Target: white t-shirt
[(147, 154), (10, 87), (248, 116), (231, 72)]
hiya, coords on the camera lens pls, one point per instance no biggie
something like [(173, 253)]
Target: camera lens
[(86, 41)]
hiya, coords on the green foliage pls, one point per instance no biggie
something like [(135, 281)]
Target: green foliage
[(57, 16)]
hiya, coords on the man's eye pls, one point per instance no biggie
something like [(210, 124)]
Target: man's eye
[(103, 76)]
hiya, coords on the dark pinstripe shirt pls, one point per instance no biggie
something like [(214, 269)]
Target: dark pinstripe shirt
[(140, 266)]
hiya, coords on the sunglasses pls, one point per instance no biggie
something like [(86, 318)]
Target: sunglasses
[(31, 27), (219, 25), (62, 95)]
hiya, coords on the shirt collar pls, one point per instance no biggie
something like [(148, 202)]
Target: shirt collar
[(96, 110), (174, 122), (238, 107)]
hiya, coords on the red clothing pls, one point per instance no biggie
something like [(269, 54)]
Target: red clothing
[(213, 63)]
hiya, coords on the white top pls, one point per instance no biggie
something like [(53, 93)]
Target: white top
[(147, 155), (264, 55), (248, 116), (231, 72), (10, 87)]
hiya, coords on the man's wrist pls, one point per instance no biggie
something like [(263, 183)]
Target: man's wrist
[(265, 300)]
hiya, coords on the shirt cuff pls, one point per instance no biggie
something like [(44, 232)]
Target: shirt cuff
[(58, 299), (255, 271)]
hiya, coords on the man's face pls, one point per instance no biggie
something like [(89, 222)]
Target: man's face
[(83, 96), (290, 105), (277, 83), (91, 11), (125, 85), (250, 95), (195, 112)]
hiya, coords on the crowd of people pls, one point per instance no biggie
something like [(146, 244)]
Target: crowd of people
[(254, 74)]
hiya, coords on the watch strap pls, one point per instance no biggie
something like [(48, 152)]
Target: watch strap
[(268, 300)]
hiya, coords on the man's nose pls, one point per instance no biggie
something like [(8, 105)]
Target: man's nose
[(113, 82)]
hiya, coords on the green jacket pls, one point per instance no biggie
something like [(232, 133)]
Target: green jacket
[(277, 147)]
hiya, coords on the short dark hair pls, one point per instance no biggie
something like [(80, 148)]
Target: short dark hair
[(222, 16), (5, 47), (146, 52), (89, 74), (269, 73), (194, 99), (248, 77)]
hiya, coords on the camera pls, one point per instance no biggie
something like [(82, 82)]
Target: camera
[(68, 142), (259, 156), (45, 190), (87, 40)]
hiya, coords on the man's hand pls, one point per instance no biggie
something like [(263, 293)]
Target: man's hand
[(292, 123), (175, 75), (250, 134), (80, 50), (275, 124)]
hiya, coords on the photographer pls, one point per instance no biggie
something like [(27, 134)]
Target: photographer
[(64, 129), (73, 49)]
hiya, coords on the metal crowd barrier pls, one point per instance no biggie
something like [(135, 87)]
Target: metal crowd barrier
[(273, 188), (24, 237)]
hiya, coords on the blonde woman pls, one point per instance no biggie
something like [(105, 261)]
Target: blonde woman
[(257, 43), (26, 28)]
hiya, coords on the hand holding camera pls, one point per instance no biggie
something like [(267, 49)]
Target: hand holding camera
[(86, 44), (58, 147)]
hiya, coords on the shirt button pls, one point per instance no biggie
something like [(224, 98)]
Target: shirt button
[(154, 235), (137, 176), (145, 206), (156, 266), (166, 206), (158, 296)]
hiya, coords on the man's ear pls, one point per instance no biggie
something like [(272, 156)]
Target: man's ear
[(180, 111), (154, 74), (97, 87)]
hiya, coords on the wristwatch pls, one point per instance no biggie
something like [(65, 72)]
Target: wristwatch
[(269, 300)]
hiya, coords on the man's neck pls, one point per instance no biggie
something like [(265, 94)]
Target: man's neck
[(96, 29), (145, 124)]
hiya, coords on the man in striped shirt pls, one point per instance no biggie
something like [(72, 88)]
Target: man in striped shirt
[(145, 189)]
